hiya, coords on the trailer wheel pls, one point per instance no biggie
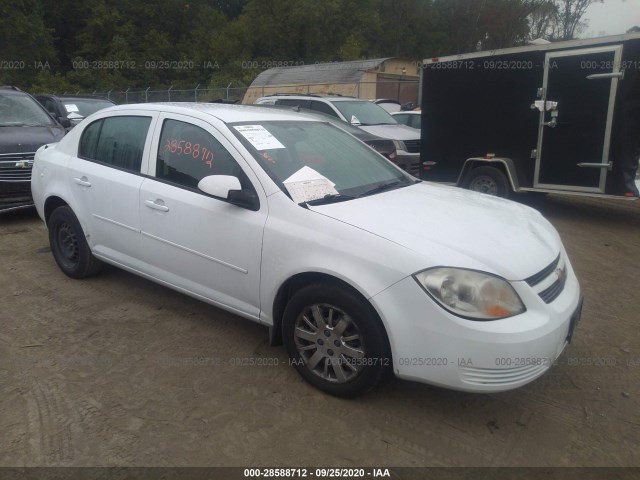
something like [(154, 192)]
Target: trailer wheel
[(488, 180)]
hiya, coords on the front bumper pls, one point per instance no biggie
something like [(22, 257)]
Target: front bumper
[(409, 162), (15, 195), (430, 345)]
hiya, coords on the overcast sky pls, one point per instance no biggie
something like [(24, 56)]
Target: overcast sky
[(612, 17)]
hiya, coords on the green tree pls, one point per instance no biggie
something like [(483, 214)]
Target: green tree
[(27, 43)]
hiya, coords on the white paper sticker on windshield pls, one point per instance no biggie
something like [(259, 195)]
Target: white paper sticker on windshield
[(71, 107), (307, 184), (355, 121), (259, 137)]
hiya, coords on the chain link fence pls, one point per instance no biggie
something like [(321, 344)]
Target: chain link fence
[(403, 91), (167, 95)]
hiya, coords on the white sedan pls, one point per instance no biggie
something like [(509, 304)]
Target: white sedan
[(411, 118), (356, 266)]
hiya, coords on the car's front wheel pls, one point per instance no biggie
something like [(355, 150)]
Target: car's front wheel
[(69, 245), (335, 340)]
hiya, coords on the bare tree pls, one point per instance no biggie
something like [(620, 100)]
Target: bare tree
[(570, 17), (559, 19), (542, 21)]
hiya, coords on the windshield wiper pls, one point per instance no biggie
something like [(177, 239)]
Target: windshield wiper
[(330, 198), (382, 187)]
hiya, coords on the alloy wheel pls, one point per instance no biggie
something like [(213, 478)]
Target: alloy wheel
[(330, 343)]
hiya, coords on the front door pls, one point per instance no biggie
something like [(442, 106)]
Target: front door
[(576, 112), (197, 243)]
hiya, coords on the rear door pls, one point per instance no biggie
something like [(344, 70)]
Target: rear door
[(106, 174), (576, 113)]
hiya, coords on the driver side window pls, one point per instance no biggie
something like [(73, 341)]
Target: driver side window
[(187, 154)]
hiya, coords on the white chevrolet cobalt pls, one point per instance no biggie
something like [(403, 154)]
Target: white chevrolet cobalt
[(356, 266)]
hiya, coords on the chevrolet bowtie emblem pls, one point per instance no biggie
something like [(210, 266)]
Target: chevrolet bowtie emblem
[(561, 273)]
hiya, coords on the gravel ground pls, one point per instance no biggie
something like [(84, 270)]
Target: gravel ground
[(115, 370)]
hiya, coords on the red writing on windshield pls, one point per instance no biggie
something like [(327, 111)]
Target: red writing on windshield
[(183, 148)]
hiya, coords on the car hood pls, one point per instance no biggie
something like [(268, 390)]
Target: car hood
[(28, 139), (450, 226), (393, 131)]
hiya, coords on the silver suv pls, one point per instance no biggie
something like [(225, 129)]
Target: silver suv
[(364, 114)]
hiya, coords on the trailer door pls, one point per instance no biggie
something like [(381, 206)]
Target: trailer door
[(576, 112)]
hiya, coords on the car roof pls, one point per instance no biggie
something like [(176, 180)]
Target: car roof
[(225, 112), (10, 90), (73, 97), (324, 117), (313, 96), (385, 100)]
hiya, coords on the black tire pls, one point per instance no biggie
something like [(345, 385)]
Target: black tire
[(69, 245), (489, 180), (335, 340)]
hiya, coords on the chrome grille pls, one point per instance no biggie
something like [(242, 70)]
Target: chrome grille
[(16, 167), (551, 293), (549, 282), (413, 146)]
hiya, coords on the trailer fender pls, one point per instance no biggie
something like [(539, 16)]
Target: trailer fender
[(504, 164)]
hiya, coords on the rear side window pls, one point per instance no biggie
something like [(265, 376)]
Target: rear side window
[(188, 153), (89, 141), (404, 119), (323, 108), (116, 141), (293, 102)]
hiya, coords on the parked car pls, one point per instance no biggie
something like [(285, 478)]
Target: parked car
[(389, 105), (361, 113), (411, 119), (358, 267), (381, 145), (73, 107), (24, 127)]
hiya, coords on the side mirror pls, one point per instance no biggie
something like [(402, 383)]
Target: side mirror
[(245, 199), (229, 188), (65, 122), (75, 118)]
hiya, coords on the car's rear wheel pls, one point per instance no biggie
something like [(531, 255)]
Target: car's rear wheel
[(335, 340), (69, 246)]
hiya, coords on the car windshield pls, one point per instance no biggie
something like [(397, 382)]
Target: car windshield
[(20, 111), (364, 113), (319, 150), (84, 106)]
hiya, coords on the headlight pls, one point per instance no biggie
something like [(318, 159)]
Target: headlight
[(471, 294), (399, 144)]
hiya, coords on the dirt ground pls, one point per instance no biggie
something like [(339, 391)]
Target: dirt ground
[(116, 370)]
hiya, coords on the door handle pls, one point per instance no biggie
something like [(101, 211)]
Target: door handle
[(608, 166), (156, 206), (598, 76), (82, 181)]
